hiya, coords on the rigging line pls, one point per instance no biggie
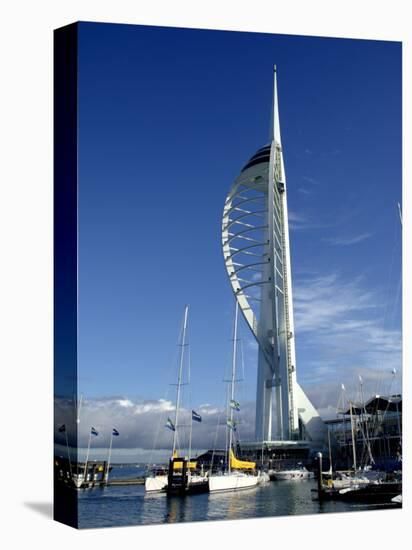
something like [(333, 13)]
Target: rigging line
[(367, 449), (190, 402), (398, 288), (387, 293), (221, 412), (227, 416), (161, 419), (172, 367), (188, 365), (221, 409), (378, 420), (157, 433), (242, 358), (340, 398)]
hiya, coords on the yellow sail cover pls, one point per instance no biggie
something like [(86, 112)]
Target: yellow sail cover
[(240, 464), (179, 465)]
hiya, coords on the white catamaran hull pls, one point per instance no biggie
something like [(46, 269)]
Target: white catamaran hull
[(155, 483), (78, 480), (231, 482), (263, 477), (291, 475)]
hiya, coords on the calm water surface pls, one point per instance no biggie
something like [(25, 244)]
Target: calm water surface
[(121, 506)]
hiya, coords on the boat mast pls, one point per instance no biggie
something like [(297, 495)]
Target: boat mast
[(353, 436), (330, 453), (400, 214), (344, 419), (365, 422), (232, 384), (179, 380)]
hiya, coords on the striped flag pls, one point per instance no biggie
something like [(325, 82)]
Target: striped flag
[(115, 432), (234, 405), (93, 431), (196, 417), (169, 424), (231, 424)]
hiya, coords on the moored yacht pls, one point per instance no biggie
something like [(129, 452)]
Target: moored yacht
[(294, 474), (240, 474), (156, 481), (182, 476)]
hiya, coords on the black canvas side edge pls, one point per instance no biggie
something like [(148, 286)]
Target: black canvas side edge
[(65, 273)]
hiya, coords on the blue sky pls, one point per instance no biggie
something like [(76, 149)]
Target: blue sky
[(167, 118)]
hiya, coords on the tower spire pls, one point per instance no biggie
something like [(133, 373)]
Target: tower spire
[(275, 123)]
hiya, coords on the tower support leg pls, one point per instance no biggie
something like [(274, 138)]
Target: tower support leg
[(264, 393)]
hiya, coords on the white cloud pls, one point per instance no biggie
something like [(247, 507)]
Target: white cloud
[(296, 221), (295, 217), (340, 241), (310, 180), (125, 403), (299, 222), (340, 333), (161, 405)]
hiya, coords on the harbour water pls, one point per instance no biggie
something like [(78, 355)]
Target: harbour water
[(129, 505)]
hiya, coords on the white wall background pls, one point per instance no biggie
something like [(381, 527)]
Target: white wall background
[(26, 266)]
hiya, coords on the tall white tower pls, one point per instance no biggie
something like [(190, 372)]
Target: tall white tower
[(255, 240)]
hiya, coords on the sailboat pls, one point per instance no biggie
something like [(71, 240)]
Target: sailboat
[(362, 483), (292, 474), (181, 476), (240, 474)]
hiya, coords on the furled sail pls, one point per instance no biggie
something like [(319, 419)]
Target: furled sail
[(240, 464)]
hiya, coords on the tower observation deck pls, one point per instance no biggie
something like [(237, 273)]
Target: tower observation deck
[(255, 240)]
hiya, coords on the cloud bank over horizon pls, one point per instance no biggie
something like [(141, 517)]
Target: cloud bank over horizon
[(341, 333), (141, 424)]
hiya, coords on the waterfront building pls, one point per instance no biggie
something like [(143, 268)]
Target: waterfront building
[(376, 426)]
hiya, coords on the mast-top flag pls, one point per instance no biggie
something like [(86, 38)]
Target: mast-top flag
[(235, 405), (115, 433), (169, 424), (231, 424)]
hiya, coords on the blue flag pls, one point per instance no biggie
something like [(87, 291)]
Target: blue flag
[(115, 432), (93, 431), (169, 424), (196, 417)]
